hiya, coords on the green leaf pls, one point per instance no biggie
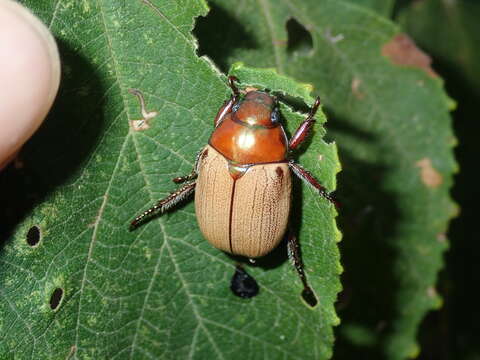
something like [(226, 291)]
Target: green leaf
[(389, 115), (450, 32), (90, 289), (382, 7)]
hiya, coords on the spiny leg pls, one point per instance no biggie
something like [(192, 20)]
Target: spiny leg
[(305, 127), (294, 255), (166, 203), (228, 105), (308, 178), (193, 174)]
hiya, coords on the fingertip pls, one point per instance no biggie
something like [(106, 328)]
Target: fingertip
[(30, 73)]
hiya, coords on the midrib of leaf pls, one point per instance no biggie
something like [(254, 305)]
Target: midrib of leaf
[(266, 13), (177, 270), (118, 76), (107, 190)]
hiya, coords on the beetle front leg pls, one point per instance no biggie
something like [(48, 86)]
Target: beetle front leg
[(308, 178), (228, 105), (305, 127), (166, 203), (294, 254)]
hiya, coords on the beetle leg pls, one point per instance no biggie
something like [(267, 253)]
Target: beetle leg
[(306, 176), (305, 127), (228, 105), (294, 254), (166, 203), (193, 174)]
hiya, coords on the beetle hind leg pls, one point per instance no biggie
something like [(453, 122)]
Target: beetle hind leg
[(293, 247), (166, 203)]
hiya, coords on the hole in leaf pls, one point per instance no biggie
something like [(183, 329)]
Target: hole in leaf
[(309, 297), (33, 236), (221, 36), (300, 40), (243, 285), (56, 298)]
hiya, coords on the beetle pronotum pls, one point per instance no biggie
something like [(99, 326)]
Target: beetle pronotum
[(242, 180)]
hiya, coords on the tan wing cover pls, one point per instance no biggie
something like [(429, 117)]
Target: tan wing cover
[(248, 216)]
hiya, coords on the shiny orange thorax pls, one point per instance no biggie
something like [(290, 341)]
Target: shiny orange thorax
[(247, 135)]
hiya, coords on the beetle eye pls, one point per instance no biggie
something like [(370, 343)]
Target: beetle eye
[(274, 117), (235, 107)]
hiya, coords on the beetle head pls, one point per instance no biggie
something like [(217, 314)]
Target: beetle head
[(258, 108)]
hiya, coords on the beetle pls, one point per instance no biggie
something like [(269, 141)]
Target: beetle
[(242, 179)]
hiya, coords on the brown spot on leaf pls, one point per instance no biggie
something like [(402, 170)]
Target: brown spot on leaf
[(442, 238), (432, 292), (401, 50), (430, 176), (355, 88)]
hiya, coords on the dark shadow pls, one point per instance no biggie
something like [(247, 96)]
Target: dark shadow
[(295, 103), (219, 34), (63, 142), (453, 331), (300, 40), (401, 5), (345, 128), (368, 218)]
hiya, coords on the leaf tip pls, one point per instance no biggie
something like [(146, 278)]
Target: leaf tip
[(414, 351)]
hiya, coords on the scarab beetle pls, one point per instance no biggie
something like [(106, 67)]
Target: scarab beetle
[(242, 179)]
